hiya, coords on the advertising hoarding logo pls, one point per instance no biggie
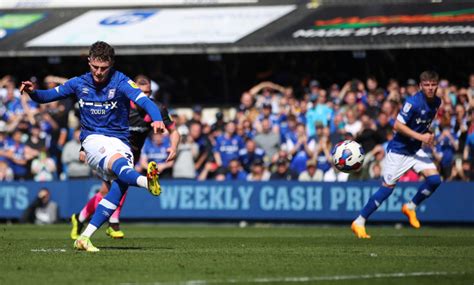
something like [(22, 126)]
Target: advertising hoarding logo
[(459, 16), (10, 23), (127, 18), (441, 23)]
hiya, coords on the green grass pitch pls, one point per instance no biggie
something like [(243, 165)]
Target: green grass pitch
[(199, 254)]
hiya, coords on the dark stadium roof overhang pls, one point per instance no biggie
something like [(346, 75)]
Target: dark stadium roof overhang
[(280, 27)]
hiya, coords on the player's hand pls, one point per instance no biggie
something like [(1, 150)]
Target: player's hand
[(27, 86), (158, 127), (427, 138), (82, 156), (171, 154)]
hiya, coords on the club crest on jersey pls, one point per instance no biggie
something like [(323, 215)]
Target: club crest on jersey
[(406, 107), (131, 83), (111, 94)]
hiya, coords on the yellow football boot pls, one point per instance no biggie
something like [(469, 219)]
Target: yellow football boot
[(359, 231), (114, 234), (84, 243), (411, 214), (75, 227), (153, 181)]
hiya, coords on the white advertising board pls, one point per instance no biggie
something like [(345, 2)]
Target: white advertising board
[(162, 26)]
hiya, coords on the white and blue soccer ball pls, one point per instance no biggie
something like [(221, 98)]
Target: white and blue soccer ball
[(347, 156)]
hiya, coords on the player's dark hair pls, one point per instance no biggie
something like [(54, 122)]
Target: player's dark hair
[(102, 51), (142, 80), (429, 75)]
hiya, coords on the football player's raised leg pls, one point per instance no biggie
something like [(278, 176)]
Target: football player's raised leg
[(431, 183)]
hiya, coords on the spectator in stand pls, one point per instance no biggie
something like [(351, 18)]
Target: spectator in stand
[(18, 159), (312, 173), (300, 148), (74, 168), (267, 115), (247, 104), (268, 140), (43, 168), (322, 152), (183, 167), (155, 149), (220, 123), (196, 116), (353, 125), (204, 146), (368, 138), (320, 113), (383, 126), (250, 153), (258, 172), (6, 173), (447, 146), (283, 172), (412, 87), (227, 146), (42, 210), (235, 171)]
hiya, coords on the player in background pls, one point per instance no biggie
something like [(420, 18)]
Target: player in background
[(139, 128), (104, 96), (404, 152)]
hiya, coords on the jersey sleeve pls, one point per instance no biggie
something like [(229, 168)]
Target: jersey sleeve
[(130, 89), (406, 113), (57, 93)]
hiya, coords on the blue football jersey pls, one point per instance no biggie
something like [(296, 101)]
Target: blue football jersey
[(103, 108), (417, 114)]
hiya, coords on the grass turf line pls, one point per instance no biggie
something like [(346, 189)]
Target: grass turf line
[(277, 255)]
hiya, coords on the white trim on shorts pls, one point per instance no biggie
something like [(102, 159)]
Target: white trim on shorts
[(395, 165), (98, 147)]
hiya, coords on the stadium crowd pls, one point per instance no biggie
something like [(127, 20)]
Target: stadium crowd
[(273, 134)]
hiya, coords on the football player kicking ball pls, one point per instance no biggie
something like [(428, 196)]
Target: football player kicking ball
[(139, 129), (104, 96), (404, 152)]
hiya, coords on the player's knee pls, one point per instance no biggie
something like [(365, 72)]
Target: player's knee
[(433, 181)]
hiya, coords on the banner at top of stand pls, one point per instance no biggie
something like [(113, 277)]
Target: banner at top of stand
[(378, 24), (162, 26), (28, 4)]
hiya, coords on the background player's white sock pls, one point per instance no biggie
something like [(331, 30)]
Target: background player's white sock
[(142, 181), (411, 206), (89, 231), (360, 221)]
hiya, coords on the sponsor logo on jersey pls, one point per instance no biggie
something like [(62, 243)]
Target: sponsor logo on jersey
[(85, 90), (111, 93), (131, 83), (406, 107), (107, 104)]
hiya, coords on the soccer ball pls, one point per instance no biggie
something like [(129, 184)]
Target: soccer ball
[(347, 156)]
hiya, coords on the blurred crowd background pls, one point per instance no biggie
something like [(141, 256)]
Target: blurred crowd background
[(274, 132)]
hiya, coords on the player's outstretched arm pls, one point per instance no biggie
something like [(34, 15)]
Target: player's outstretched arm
[(174, 139), (427, 138), (46, 96)]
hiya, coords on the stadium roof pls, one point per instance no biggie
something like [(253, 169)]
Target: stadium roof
[(234, 26)]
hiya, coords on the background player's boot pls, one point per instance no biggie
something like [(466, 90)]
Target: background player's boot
[(359, 231), (76, 227), (114, 232), (152, 176), (84, 243), (411, 214)]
